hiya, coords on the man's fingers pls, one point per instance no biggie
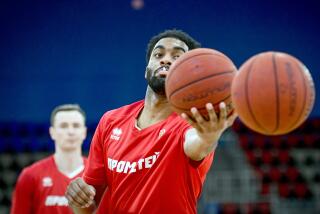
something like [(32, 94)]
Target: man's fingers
[(223, 113), (80, 194), (190, 121), (92, 190), (72, 202), (211, 112), (86, 189), (73, 198), (197, 116), (83, 192)]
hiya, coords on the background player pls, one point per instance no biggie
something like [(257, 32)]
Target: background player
[(40, 187)]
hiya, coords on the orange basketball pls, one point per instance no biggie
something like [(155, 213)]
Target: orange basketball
[(273, 93), (198, 77)]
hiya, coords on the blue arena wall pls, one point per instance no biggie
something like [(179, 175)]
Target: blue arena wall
[(93, 52)]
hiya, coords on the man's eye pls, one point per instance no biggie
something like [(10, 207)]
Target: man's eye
[(176, 56), (157, 55), (63, 125)]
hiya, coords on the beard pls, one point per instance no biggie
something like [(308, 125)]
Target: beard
[(157, 84)]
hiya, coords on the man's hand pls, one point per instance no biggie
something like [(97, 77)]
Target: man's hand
[(203, 138), (80, 194)]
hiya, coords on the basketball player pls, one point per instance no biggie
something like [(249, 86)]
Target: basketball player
[(40, 187), (144, 158)]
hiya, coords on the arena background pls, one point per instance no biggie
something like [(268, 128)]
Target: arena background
[(92, 52)]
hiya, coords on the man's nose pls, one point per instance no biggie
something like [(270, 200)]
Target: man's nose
[(71, 130), (165, 62)]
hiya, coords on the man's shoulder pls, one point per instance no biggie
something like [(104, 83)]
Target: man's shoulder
[(38, 165), (124, 111), (34, 170)]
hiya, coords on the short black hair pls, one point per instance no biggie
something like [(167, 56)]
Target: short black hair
[(174, 33), (66, 107)]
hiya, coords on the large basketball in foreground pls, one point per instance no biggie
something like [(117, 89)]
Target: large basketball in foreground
[(198, 77), (273, 93)]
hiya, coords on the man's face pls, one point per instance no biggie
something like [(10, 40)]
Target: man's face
[(68, 130), (164, 53)]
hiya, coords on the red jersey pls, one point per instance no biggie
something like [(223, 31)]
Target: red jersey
[(40, 189), (146, 171)]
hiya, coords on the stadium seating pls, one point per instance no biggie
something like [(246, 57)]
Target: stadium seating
[(288, 165), (291, 162)]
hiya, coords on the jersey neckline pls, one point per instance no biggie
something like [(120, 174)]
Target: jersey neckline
[(67, 175), (134, 121)]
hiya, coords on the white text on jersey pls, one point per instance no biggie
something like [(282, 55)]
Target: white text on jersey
[(56, 200), (131, 167)]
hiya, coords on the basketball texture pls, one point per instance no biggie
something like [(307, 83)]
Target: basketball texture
[(198, 77), (273, 93)]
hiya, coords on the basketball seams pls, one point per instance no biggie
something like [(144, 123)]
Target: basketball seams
[(247, 96), (277, 92), (199, 80), (304, 96), (196, 55)]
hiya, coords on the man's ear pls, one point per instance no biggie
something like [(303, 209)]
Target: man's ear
[(51, 132)]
